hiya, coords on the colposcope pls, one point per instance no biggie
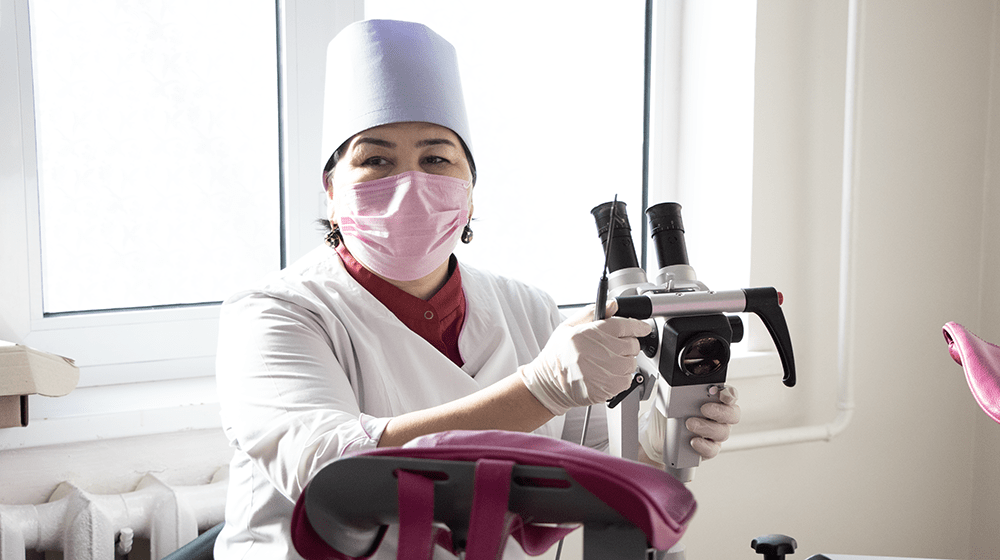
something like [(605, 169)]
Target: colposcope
[(684, 361)]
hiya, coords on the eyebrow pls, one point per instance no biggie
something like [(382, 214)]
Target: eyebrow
[(375, 141), (435, 142), (420, 144)]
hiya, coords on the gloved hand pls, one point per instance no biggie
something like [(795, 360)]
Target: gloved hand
[(585, 361), (712, 430)]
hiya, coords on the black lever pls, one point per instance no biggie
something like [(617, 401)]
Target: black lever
[(766, 304), (637, 380)]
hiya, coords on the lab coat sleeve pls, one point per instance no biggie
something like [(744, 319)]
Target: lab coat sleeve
[(286, 401)]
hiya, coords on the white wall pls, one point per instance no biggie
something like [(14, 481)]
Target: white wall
[(915, 474)]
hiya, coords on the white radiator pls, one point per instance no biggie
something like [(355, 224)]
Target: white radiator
[(87, 526)]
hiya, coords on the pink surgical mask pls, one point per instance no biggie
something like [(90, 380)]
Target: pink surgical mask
[(403, 227)]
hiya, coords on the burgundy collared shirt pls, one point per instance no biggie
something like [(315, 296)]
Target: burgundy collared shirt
[(438, 320)]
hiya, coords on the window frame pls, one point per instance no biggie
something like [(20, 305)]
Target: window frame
[(156, 360)]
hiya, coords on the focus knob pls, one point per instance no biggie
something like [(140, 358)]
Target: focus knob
[(774, 547)]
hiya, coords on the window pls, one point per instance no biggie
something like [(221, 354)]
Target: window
[(714, 151), (157, 150), (129, 121)]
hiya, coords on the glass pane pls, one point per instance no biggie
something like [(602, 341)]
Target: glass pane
[(716, 169), (555, 100), (157, 142)]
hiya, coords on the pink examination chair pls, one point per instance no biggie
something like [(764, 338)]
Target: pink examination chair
[(981, 362), (484, 486)]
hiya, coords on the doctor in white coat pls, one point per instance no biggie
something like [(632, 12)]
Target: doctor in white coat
[(380, 335)]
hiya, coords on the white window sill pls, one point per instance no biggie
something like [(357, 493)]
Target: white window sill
[(749, 365), (117, 411), (176, 405)]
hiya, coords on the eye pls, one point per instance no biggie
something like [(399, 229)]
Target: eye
[(375, 161), (435, 160)]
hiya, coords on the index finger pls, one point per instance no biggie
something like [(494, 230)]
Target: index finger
[(622, 327), (586, 314)]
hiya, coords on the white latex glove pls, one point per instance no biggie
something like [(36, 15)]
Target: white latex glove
[(711, 430), (585, 361)]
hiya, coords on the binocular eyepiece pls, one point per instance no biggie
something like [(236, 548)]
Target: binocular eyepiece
[(666, 229)]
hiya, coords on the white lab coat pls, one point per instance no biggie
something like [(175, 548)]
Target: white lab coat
[(311, 367)]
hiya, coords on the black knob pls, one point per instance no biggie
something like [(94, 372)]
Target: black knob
[(774, 547)]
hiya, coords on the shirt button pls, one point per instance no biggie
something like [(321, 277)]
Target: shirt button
[(428, 315)]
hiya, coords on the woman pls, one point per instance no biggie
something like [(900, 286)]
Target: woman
[(380, 335)]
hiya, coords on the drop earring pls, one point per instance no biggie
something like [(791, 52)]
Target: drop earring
[(467, 234), (333, 236)]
